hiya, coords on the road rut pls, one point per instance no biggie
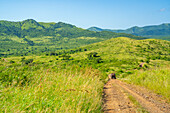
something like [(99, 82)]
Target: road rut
[(115, 99)]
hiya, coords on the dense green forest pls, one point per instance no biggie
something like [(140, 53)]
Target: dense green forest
[(156, 31), (31, 37)]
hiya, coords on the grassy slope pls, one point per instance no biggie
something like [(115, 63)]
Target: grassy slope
[(123, 56), (53, 84), (48, 86), (160, 37), (156, 79), (126, 54)]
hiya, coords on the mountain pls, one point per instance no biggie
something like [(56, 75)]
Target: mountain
[(29, 37), (156, 31), (31, 28), (96, 29)]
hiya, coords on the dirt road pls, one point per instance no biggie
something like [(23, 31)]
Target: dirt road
[(116, 99)]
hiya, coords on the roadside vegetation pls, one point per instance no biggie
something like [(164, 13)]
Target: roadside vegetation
[(156, 79), (46, 85), (140, 109)]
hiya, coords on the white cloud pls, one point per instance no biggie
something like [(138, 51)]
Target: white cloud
[(163, 9)]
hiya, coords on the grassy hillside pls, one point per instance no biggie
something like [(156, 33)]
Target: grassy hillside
[(123, 54), (68, 81), (48, 85), (156, 79), (31, 37), (164, 37)]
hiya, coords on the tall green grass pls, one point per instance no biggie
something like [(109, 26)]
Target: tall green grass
[(55, 84), (155, 79), (68, 90)]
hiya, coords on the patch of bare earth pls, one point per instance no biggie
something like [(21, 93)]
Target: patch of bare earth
[(115, 99)]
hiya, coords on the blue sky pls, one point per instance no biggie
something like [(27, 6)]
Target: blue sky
[(112, 14)]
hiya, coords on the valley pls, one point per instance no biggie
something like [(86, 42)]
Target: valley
[(29, 37)]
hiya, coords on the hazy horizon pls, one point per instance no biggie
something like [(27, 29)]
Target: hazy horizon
[(108, 14)]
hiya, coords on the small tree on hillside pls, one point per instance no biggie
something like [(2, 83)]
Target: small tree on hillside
[(94, 58)]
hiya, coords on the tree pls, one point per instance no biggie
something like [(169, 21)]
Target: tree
[(92, 55), (94, 58)]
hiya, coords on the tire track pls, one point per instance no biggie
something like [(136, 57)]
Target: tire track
[(116, 100)]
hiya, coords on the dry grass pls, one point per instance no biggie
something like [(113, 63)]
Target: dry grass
[(68, 90)]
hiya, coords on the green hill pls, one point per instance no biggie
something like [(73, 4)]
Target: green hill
[(68, 80), (156, 31), (129, 52), (30, 37), (142, 62)]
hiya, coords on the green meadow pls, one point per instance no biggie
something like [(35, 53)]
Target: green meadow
[(46, 85), (72, 80)]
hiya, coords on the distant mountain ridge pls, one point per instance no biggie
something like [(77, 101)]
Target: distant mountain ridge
[(31, 37), (33, 28), (156, 31)]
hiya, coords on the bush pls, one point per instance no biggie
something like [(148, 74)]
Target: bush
[(148, 60), (141, 60), (98, 60), (50, 60), (12, 61), (92, 55), (22, 59), (94, 58), (28, 61), (145, 66), (85, 49)]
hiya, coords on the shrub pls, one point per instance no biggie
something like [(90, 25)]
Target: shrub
[(147, 60), (28, 61), (145, 66), (12, 61), (92, 55), (50, 60), (141, 60), (22, 59)]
